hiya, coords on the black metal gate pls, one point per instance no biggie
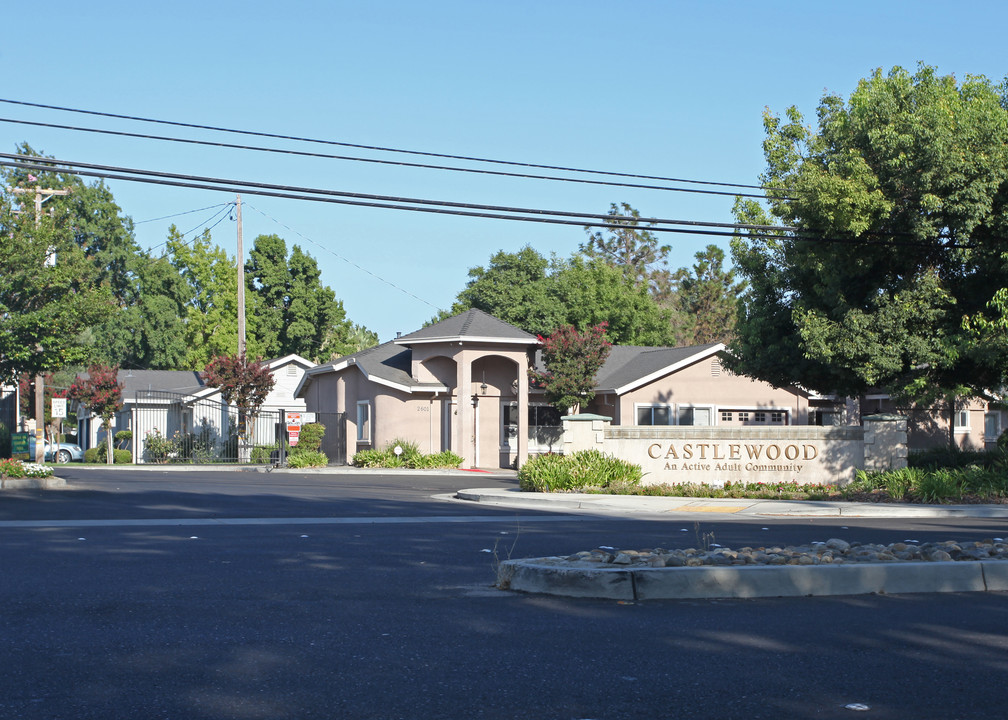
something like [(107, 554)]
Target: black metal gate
[(174, 428), (334, 440)]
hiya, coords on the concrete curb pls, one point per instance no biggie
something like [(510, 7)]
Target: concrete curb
[(743, 507), (329, 470), (549, 576), (49, 483)]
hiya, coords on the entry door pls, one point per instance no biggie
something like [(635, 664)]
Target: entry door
[(448, 419), (448, 441)]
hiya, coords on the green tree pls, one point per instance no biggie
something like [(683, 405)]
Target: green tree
[(49, 295), (268, 276), (347, 339), (707, 299), (105, 235), (161, 314), (540, 295), (898, 207), (296, 312), (211, 320), (312, 309), (590, 291), (572, 361), (516, 288), (629, 245)]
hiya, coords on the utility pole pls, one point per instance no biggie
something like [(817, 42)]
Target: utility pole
[(241, 281), (39, 379)]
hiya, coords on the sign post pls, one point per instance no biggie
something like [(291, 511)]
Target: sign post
[(293, 422), (59, 411)]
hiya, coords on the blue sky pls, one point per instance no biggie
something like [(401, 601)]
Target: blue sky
[(659, 88)]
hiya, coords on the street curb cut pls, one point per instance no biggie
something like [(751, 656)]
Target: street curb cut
[(543, 576)]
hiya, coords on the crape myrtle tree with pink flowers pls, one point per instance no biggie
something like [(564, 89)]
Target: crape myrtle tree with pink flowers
[(242, 383), (572, 359), (101, 392)]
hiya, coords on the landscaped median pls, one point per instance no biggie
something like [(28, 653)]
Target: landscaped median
[(834, 567), (17, 475)]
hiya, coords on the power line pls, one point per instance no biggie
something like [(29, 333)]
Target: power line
[(495, 212), (223, 212), (187, 212), (381, 201), (379, 148), (399, 163), (347, 261)]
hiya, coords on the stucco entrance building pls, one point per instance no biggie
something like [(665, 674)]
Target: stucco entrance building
[(463, 385)]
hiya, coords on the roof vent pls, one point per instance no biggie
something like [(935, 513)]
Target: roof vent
[(715, 368)]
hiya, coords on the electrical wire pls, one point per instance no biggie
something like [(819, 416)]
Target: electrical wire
[(496, 212), (400, 163), (382, 201), (344, 259), (187, 212), (224, 212), (378, 148)]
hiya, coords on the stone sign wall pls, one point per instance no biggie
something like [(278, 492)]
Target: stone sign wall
[(715, 455)]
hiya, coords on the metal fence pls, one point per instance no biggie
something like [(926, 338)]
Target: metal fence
[(174, 428)]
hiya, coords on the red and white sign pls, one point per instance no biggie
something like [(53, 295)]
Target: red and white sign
[(293, 420)]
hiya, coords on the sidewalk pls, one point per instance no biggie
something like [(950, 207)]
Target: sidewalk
[(631, 504)]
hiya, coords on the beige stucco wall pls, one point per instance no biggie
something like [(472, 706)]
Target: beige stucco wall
[(929, 427), (705, 384), (420, 417)]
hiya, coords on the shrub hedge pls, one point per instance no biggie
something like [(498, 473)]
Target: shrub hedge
[(581, 471), (408, 456), (98, 455)]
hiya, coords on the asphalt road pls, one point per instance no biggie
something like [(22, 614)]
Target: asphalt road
[(245, 595)]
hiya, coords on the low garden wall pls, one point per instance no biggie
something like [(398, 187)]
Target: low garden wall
[(715, 455)]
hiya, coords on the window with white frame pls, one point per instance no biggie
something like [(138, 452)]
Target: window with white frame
[(695, 415), (654, 414), (364, 421), (962, 421)]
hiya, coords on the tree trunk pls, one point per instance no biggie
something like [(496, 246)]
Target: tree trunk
[(109, 458)]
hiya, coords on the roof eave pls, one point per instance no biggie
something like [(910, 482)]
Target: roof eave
[(668, 369)]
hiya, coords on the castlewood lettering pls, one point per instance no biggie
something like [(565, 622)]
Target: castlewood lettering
[(757, 457)]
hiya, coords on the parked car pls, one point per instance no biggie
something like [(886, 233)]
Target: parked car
[(64, 452)]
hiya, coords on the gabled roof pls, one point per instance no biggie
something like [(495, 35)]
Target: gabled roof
[(386, 364), (470, 326), (177, 381), (287, 360), (629, 367)]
